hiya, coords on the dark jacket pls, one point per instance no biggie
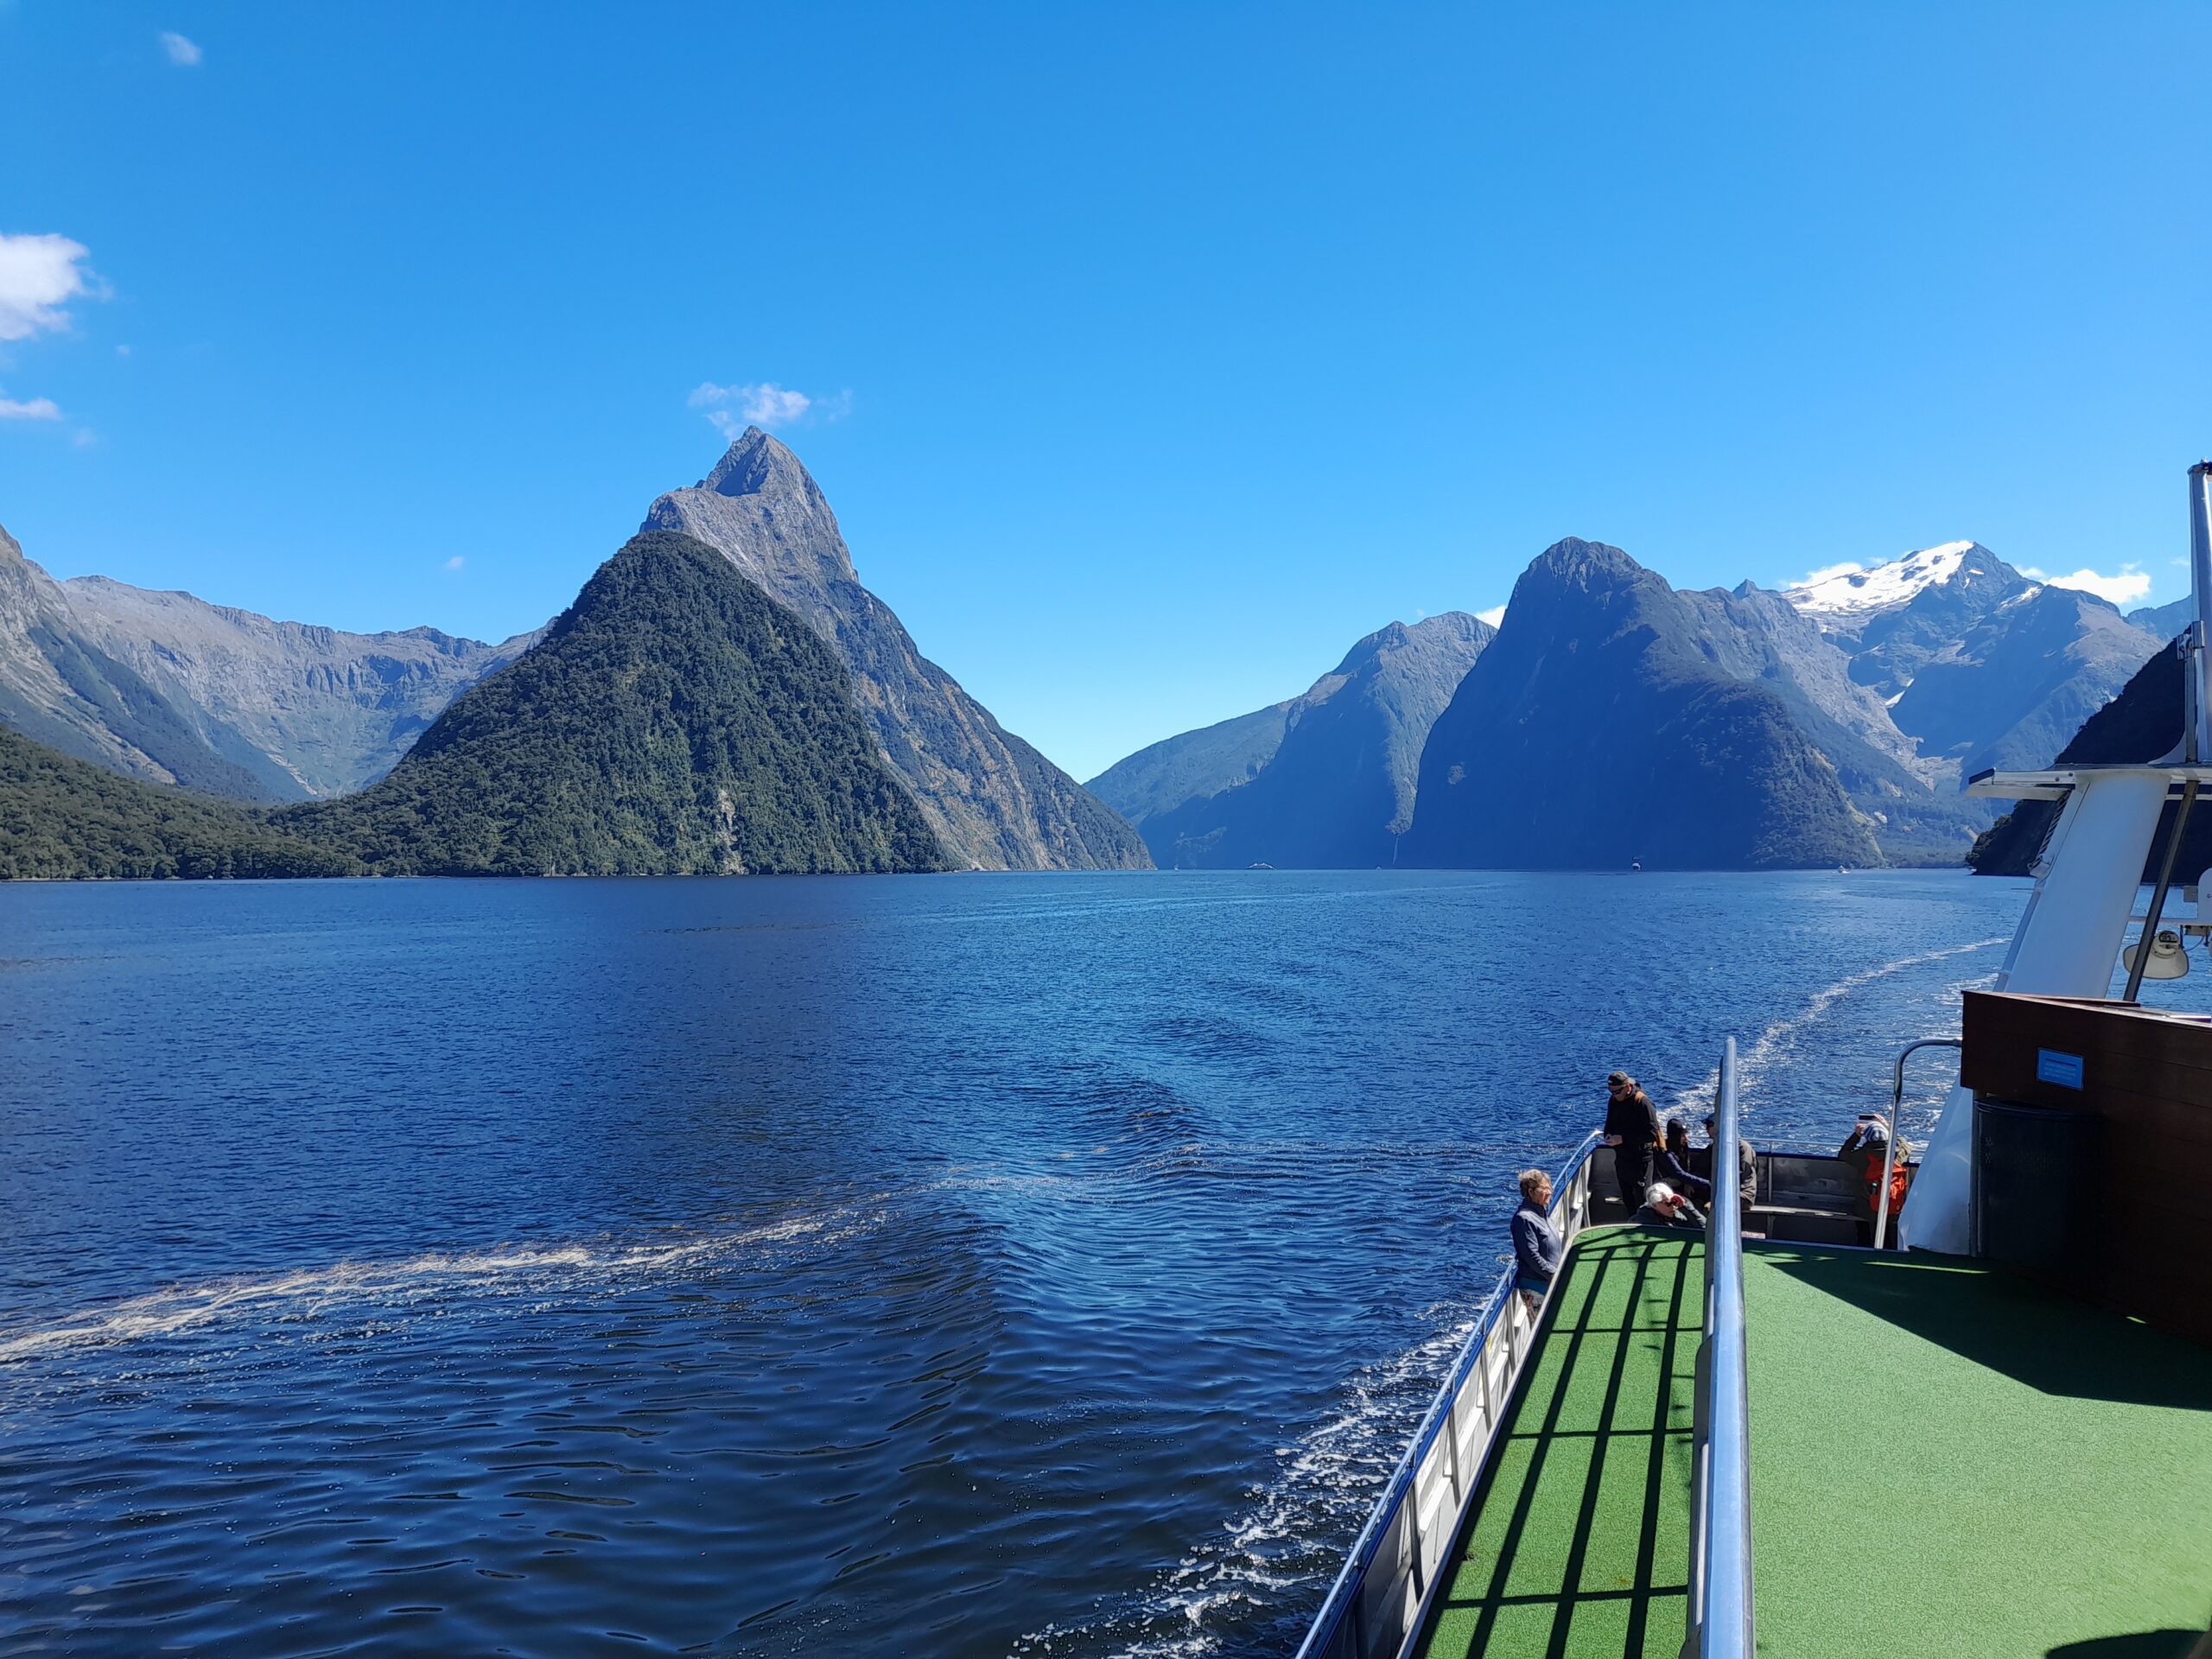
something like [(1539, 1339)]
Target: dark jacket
[(1636, 1120), (1536, 1247), (1669, 1170), (1687, 1215)]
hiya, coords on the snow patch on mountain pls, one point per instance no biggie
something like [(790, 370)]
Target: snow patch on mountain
[(1842, 591)]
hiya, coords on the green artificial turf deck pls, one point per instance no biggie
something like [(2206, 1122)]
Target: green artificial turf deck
[(1947, 1461), (1579, 1538)]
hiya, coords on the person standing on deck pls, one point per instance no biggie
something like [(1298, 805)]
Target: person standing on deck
[(1632, 1131), (1536, 1247)]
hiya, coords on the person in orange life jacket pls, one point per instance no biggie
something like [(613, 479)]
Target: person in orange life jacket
[(1867, 1146), (1632, 1131)]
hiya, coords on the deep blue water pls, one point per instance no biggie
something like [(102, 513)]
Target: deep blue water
[(991, 1264)]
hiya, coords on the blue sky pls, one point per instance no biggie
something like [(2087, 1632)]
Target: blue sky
[(1150, 355)]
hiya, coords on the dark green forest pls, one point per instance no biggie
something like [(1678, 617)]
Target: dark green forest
[(674, 721), (63, 819)]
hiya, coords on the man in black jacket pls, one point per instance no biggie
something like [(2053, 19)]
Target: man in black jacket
[(1632, 1131)]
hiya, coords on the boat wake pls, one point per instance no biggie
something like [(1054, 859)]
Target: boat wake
[(308, 1292), (1778, 1041), (1271, 1564)]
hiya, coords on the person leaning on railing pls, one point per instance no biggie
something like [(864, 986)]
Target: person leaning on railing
[(1536, 1247)]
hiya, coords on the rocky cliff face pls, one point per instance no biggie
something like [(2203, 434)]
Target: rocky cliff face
[(1335, 789), (993, 800), (166, 687), (1598, 728), (1980, 665), (1913, 803)]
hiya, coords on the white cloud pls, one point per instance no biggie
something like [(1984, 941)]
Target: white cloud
[(732, 409), (455, 563), (182, 53), (37, 409), (38, 276), (2125, 586), (1846, 569), (1495, 615)]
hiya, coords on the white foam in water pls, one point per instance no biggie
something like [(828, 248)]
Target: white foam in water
[(1294, 1534), (166, 1312), (1779, 1038)]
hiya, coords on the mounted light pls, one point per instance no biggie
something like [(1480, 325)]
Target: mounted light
[(2168, 960)]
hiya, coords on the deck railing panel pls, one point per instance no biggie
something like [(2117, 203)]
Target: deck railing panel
[(1371, 1610)]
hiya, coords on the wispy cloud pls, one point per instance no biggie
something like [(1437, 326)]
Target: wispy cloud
[(768, 405), (455, 563), (1846, 569), (2124, 586), (35, 409), (1495, 615), (185, 54), (39, 275)]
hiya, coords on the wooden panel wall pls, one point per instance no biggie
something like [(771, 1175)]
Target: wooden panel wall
[(2150, 1079)]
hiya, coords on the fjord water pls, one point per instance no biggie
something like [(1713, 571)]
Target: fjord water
[(965, 1265)]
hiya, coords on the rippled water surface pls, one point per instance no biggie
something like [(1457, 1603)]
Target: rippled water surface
[(976, 1265)]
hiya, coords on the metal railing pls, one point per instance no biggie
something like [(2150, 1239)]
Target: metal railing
[(1374, 1606), (1719, 1615), (1897, 1111)]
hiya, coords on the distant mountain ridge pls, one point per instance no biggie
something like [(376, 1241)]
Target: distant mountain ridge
[(1597, 730), (1902, 677), (170, 688), (1980, 665), (1327, 779), (992, 799)]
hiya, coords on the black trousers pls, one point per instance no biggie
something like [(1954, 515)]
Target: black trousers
[(1632, 1170)]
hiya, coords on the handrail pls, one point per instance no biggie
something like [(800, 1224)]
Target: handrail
[(1897, 1105), (1344, 1594), (1720, 1544)]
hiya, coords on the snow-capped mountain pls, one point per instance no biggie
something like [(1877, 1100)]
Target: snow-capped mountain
[(1979, 664), (1843, 597)]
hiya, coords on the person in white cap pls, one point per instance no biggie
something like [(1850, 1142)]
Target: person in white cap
[(1664, 1207)]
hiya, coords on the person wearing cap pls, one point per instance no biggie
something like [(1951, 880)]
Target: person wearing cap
[(1536, 1247), (1664, 1207), (1632, 1131)]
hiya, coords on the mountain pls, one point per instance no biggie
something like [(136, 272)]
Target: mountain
[(1191, 766), (1979, 664), (2143, 723), (2163, 622), (675, 720), (1597, 729), (1918, 815), (1327, 779), (992, 800), (66, 819), (170, 689)]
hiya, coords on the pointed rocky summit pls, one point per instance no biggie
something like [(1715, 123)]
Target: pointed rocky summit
[(993, 801)]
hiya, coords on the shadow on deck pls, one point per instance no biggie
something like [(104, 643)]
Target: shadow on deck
[(1577, 1543)]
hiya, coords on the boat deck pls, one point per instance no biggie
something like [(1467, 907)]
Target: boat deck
[(1944, 1461), (1580, 1537), (1948, 1461)]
